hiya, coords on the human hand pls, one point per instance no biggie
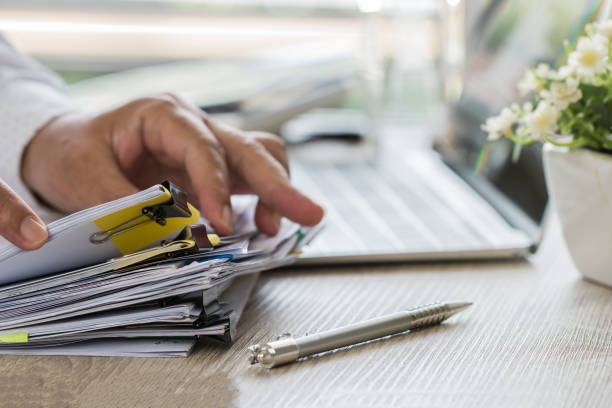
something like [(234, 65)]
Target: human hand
[(18, 223), (77, 161)]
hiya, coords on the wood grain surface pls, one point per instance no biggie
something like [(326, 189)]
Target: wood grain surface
[(537, 336)]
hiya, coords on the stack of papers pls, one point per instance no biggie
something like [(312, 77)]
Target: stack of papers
[(69, 242), (155, 302)]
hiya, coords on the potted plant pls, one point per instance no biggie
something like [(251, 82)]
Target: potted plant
[(570, 110)]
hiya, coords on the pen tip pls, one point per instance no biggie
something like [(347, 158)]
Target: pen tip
[(458, 306)]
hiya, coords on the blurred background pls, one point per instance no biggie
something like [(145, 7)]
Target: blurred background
[(261, 62), (250, 55)]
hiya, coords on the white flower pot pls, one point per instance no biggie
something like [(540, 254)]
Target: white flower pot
[(580, 187)]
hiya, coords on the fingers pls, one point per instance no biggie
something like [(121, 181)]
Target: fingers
[(266, 176), (273, 144), (179, 139), (267, 220), (266, 217), (18, 223)]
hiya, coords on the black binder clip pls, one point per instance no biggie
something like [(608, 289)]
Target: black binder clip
[(174, 208)]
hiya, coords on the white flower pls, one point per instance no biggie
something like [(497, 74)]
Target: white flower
[(602, 39), (543, 70), (561, 94), (499, 125), (528, 83), (604, 28), (527, 107), (589, 59), (543, 120), (563, 73)]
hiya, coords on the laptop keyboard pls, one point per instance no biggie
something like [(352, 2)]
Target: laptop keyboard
[(398, 207)]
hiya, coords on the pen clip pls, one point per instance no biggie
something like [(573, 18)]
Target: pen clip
[(175, 207)]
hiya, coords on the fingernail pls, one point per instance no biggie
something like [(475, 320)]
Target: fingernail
[(226, 217), (33, 231)]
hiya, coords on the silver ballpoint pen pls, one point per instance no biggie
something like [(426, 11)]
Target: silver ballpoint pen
[(288, 349)]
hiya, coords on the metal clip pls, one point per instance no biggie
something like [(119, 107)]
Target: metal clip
[(152, 253)]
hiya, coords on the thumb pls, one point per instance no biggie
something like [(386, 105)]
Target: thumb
[(18, 223)]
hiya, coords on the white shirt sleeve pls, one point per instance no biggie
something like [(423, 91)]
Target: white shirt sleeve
[(30, 96)]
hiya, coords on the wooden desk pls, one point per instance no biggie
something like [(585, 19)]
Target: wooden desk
[(537, 335)]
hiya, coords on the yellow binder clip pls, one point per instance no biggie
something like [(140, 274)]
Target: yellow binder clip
[(176, 207)]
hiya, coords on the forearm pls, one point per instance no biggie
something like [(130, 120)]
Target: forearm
[(30, 97)]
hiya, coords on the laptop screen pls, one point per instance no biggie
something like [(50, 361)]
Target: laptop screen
[(504, 37)]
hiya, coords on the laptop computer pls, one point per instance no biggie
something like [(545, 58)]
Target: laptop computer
[(428, 204)]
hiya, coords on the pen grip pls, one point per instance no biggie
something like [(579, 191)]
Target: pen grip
[(358, 333)]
